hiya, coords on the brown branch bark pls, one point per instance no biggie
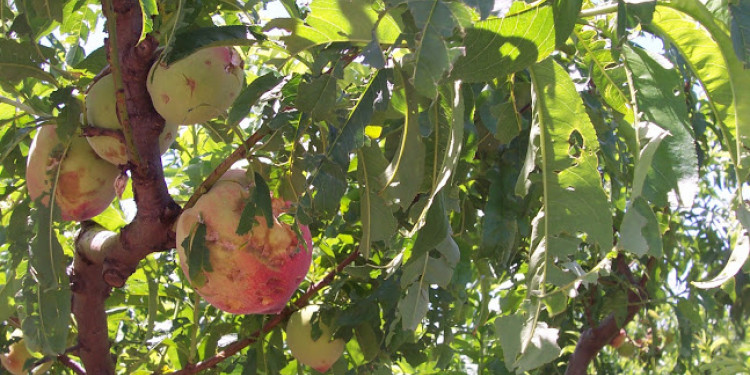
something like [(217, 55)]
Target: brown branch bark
[(151, 230), (593, 339), (89, 294), (279, 318), (93, 131)]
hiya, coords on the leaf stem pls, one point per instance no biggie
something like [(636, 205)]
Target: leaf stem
[(598, 11)]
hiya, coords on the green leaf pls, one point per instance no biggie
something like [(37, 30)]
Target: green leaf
[(336, 21), (413, 307), (198, 255), (565, 14), (148, 11), (563, 147), (639, 232), (661, 100), (740, 12), (378, 223), (250, 95), (448, 135), (258, 205), (497, 47), (318, 97), (738, 77), (736, 260), (19, 60), (543, 346), (7, 293), (403, 176), (190, 41), (94, 61), (329, 185)]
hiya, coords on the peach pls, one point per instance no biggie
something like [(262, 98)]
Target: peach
[(17, 356), (101, 112), (253, 273), (197, 88), (319, 354), (85, 183)]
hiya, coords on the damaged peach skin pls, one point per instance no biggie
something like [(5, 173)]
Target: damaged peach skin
[(197, 88), (85, 186), (254, 273)]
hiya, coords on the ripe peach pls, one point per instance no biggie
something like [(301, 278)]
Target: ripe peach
[(254, 273), (101, 112), (319, 354), (197, 88), (17, 356), (85, 184)]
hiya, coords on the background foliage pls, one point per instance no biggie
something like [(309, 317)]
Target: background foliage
[(494, 164)]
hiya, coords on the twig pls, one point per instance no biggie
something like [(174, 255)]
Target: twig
[(93, 131), (238, 154), (279, 318), (71, 364)]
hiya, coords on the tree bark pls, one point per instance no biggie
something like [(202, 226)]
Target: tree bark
[(593, 339)]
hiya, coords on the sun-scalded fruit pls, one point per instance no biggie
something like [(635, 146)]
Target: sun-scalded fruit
[(17, 356), (197, 88), (253, 273), (85, 183), (101, 112), (319, 354)]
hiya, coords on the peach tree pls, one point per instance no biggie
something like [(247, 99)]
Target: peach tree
[(374, 186)]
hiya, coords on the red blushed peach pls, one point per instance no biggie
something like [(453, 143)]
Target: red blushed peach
[(85, 182), (197, 88), (101, 112), (254, 273)]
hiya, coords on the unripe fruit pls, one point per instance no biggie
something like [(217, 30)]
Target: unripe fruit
[(319, 354), (253, 273), (197, 88), (85, 185), (101, 112)]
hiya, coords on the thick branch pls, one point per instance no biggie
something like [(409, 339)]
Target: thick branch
[(151, 230), (279, 318), (89, 294), (593, 339)]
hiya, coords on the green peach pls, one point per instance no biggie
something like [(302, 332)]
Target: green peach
[(197, 88), (319, 354)]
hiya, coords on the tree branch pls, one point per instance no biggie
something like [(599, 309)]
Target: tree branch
[(89, 294), (279, 318), (593, 339)]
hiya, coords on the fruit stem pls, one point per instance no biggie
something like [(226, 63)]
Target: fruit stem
[(277, 319)]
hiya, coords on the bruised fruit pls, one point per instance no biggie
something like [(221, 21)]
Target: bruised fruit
[(197, 88), (101, 112), (253, 273), (17, 356), (319, 354), (85, 182)]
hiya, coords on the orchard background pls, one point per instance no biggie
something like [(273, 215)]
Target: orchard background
[(491, 187)]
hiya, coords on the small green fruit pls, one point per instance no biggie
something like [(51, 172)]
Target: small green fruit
[(197, 88), (319, 354)]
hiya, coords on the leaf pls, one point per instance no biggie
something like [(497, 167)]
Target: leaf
[(436, 21), (329, 185), (250, 95), (497, 47), (639, 231), (258, 205), (403, 176), (543, 347), (378, 223), (19, 60), (413, 307), (336, 21), (448, 133), (318, 97), (565, 14), (734, 264), (148, 11), (186, 43), (740, 11), (198, 255), (739, 78), (661, 100), (563, 147)]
